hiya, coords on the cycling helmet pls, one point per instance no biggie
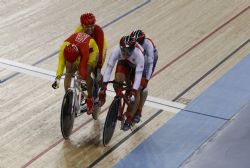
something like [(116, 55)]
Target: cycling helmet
[(71, 53), (139, 36), (127, 42), (87, 19)]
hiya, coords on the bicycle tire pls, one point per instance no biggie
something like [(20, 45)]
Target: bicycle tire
[(111, 120), (67, 114)]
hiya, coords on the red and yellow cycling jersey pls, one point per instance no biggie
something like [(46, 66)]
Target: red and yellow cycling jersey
[(98, 36), (88, 53)]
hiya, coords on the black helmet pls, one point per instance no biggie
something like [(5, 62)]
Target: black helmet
[(127, 42), (139, 36)]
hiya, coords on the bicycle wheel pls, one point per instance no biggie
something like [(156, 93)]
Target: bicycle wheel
[(67, 114), (111, 120)]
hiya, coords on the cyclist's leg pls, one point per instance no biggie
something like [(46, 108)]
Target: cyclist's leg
[(89, 82), (121, 73), (143, 98), (91, 70), (69, 69), (133, 105), (96, 85), (144, 95)]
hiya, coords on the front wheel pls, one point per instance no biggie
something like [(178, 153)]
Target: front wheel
[(67, 114), (111, 120)]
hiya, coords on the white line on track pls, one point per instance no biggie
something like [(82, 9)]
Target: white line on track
[(154, 102)]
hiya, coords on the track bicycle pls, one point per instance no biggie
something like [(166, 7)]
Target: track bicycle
[(116, 110), (74, 103)]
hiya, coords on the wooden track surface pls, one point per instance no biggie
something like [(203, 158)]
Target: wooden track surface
[(193, 37)]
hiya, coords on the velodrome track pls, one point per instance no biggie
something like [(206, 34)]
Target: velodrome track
[(198, 43)]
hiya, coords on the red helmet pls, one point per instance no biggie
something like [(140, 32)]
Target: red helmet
[(71, 52), (139, 36), (87, 19), (127, 42)]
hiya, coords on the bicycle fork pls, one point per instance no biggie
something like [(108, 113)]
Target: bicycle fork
[(121, 113), (76, 95)]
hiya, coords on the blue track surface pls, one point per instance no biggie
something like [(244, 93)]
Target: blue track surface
[(180, 137), (229, 148)]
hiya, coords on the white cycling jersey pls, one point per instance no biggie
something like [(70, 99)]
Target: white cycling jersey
[(136, 59), (150, 53)]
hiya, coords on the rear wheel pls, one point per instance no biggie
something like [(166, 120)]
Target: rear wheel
[(67, 114), (110, 122)]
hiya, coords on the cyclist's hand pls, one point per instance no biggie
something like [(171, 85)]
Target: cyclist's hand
[(102, 96), (132, 96), (56, 83)]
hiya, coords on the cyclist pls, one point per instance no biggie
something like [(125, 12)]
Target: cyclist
[(78, 52), (95, 31), (129, 56), (151, 57)]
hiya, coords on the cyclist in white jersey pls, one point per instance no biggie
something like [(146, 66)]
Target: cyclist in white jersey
[(129, 55), (150, 57)]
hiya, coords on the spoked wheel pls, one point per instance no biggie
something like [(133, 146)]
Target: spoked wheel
[(110, 122), (67, 114)]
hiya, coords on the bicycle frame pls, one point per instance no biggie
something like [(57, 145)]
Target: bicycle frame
[(116, 110), (72, 105), (75, 87), (123, 98)]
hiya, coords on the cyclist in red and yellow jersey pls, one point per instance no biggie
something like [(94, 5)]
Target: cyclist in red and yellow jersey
[(95, 31), (78, 52)]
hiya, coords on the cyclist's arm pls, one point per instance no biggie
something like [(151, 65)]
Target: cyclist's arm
[(103, 55), (61, 60), (114, 56), (139, 69), (150, 59), (102, 45), (84, 51), (93, 53), (89, 57)]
